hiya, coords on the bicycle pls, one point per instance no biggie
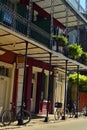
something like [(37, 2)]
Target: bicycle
[(83, 112), (72, 113), (59, 111), (8, 116)]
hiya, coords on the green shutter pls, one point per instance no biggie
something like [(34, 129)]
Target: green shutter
[(22, 9), (44, 24), (3, 1), (51, 88)]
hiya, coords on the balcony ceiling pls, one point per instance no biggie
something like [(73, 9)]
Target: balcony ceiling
[(60, 12), (15, 42)]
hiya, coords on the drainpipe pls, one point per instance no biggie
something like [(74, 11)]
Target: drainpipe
[(48, 100), (63, 117), (20, 120)]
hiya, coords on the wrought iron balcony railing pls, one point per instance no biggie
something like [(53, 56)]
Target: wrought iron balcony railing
[(16, 22)]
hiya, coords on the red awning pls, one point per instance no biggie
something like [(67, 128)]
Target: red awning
[(24, 2)]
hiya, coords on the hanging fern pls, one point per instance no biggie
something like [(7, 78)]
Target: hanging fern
[(75, 50)]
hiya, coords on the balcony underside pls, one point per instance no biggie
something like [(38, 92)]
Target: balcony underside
[(16, 43), (60, 8)]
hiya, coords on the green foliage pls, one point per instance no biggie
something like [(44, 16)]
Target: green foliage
[(84, 54), (60, 38), (73, 79), (75, 50)]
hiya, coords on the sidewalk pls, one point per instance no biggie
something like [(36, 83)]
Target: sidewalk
[(35, 122)]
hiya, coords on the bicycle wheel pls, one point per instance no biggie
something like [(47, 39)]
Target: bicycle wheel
[(26, 116), (66, 112), (6, 117), (72, 113), (80, 113), (56, 114)]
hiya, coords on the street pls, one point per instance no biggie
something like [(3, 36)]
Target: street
[(76, 124), (69, 124)]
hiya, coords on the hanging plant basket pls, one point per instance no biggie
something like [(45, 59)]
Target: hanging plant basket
[(84, 58), (60, 43), (75, 51), (61, 40)]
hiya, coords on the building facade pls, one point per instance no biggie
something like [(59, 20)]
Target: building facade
[(21, 21)]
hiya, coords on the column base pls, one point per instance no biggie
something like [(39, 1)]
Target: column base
[(46, 119), (63, 117), (76, 116), (20, 122)]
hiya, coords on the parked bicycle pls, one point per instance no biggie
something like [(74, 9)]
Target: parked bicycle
[(83, 112), (74, 112), (59, 111), (9, 116)]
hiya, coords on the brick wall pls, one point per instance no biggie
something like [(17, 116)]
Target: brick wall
[(82, 100)]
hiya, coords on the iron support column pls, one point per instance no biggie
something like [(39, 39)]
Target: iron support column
[(51, 42), (66, 21), (20, 120), (29, 18), (76, 114), (51, 25), (47, 118), (63, 117), (78, 24)]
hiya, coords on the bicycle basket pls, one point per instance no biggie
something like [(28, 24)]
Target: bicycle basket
[(58, 104)]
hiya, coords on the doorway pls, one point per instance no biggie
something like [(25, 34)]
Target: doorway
[(4, 93), (33, 95)]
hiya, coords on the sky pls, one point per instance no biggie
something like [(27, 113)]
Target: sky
[(82, 2)]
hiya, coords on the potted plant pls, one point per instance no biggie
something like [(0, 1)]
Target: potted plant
[(60, 39), (84, 58), (75, 51)]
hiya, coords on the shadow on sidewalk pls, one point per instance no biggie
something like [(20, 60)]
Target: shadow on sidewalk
[(37, 116)]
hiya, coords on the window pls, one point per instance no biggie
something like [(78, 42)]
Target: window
[(11, 5), (60, 77), (4, 71), (33, 76)]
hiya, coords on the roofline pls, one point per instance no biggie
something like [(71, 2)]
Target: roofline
[(76, 12)]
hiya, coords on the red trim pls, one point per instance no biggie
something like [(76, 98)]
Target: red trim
[(43, 13), (47, 15), (39, 64), (38, 91), (24, 2), (8, 57), (28, 87)]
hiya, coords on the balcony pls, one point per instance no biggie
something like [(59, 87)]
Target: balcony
[(18, 23)]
